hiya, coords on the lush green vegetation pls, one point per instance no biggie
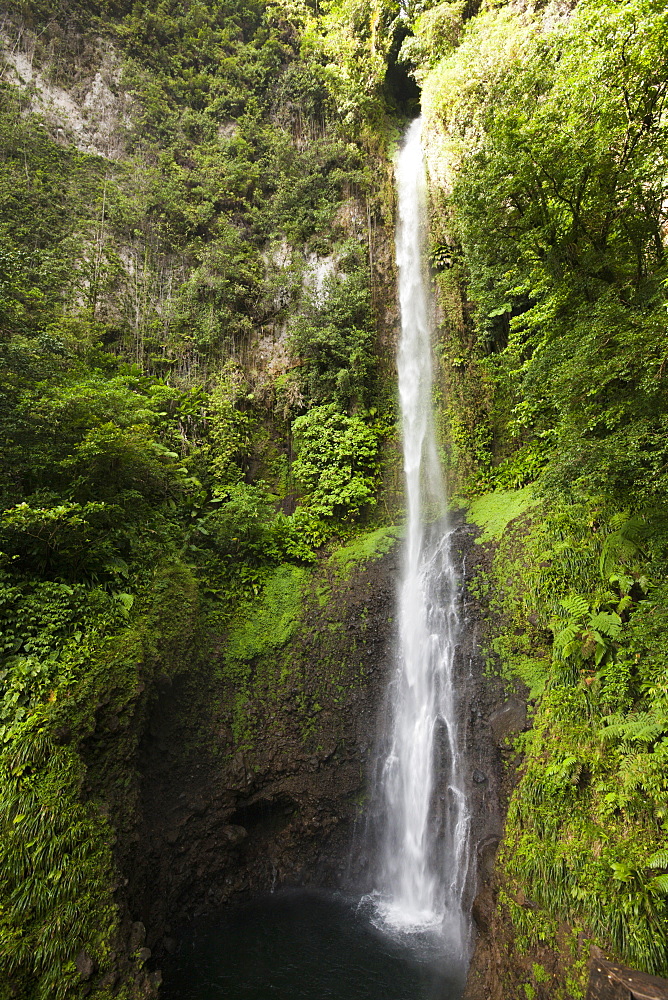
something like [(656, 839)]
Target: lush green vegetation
[(189, 411), (193, 403), (579, 622), (546, 144)]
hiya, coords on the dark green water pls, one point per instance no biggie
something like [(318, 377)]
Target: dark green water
[(306, 946)]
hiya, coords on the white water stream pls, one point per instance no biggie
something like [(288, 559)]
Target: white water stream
[(426, 819)]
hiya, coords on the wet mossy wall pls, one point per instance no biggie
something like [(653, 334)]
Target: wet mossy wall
[(255, 765)]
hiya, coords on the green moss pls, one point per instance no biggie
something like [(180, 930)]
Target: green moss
[(365, 548), (267, 623), (494, 511)]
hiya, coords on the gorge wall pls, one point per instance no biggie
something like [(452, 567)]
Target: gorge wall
[(216, 822), (222, 815)]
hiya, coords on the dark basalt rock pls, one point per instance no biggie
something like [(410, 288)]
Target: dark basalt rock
[(482, 910), (235, 834), (216, 821), (137, 936), (510, 718), (169, 945), (85, 964), (487, 850)]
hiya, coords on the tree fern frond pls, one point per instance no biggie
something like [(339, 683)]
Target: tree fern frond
[(644, 727), (660, 884), (566, 635), (576, 605), (606, 622)]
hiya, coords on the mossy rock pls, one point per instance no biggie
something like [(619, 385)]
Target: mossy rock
[(267, 623), (494, 511), (365, 548)]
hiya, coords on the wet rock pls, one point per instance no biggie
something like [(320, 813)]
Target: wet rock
[(109, 980), (235, 834), (137, 936), (197, 804), (144, 955), (482, 910), (170, 945), (510, 718), (479, 777), (85, 964), (521, 900), (487, 849)]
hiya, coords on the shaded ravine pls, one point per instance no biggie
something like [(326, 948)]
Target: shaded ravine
[(433, 805), (425, 847)]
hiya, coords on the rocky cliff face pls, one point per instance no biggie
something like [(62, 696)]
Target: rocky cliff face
[(215, 820)]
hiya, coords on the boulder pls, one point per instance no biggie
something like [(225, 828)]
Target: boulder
[(85, 964), (482, 909), (235, 834), (510, 718), (137, 936)]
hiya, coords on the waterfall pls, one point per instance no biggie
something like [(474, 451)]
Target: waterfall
[(424, 853)]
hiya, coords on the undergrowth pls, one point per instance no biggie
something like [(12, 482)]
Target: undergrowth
[(578, 603)]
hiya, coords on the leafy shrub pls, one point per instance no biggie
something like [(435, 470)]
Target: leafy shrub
[(336, 461)]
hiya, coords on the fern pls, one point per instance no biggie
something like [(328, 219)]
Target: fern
[(585, 638), (607, 623), (660, 885), (566, 639), (643, 727), (621, 545), (576, 606), (565, 642)]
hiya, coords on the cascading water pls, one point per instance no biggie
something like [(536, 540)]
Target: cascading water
[(303, 946), (426, 820)]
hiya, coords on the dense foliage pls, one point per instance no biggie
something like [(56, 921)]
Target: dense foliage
[(188, 408), (192, 404), (546, 143)]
